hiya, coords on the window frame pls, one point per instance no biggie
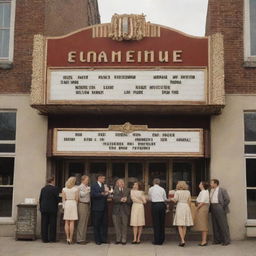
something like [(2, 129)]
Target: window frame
[(9, 59), (9, 219), (247, 34), (252, 221), (248, 156)]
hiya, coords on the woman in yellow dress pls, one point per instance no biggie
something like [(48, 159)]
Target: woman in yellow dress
[(70, 199), (137, 213), (183, 216)]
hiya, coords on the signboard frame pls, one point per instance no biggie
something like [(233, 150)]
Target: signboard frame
[(55, 152), (129, 102)]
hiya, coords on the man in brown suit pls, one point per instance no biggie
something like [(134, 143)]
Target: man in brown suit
[(83, 209), (121, 211)]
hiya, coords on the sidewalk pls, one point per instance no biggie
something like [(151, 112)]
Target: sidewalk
[(10, 247)]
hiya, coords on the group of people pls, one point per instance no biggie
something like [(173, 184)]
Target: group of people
[(215, 201), (128, 205)]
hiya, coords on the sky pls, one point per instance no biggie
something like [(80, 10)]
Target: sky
[(185, 15)]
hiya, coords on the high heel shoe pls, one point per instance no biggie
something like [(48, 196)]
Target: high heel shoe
[(205, 244), (68, 241), (181, 244)]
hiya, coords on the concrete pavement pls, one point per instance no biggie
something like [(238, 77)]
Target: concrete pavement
[(10, 247)]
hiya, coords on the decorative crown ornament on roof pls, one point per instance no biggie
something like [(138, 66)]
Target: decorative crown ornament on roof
[(128, 27)]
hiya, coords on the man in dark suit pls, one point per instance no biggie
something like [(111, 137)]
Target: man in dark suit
[(99, 210), (219, 200), (49, 199), (121, 211)]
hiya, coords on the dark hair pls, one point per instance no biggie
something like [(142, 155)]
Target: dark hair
[(50, 179), (100, 175), (205, 184), (140, 185), (156, 181), (216, 181)]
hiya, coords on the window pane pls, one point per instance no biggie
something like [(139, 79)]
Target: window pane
[(250, 149), (6, 202), (251, 204), (7, 148), (76, 170), (157, 170), (250, 126), (4, 43), (6, 170), (253, 26), (118, 170), (251, 172), (5, 14), (135, 173), (182, 171), (97, 168), (7, 125)]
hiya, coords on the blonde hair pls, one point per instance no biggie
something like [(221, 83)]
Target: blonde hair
[(84, 177), (70, 183), (182, 185)]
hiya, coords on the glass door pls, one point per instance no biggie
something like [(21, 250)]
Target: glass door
[(135, 173), (96, 168), (183, 171), (76, 169), (157, 170), (117, 172)]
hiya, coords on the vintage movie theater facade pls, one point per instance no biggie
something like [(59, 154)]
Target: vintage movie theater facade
[(129, 99)]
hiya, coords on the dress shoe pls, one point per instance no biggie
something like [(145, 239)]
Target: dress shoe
[(117, 242), (157, 243), (98, 243), (225, 244), (123, 243), (214, 242), (82, 242)]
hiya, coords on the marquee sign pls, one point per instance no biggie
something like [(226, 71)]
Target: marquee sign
[(95, 86), (83, 68), (120, 142)]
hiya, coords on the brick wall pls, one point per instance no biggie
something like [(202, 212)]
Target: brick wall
[(29, 20), (226, 16), (63, 16), (48, 17)]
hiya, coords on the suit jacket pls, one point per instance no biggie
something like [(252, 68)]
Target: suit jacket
[(99, 201), (119, 207), (49, 199), (224, 199)]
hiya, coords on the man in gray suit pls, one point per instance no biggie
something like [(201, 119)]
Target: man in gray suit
[(121, 211), (219, 200)]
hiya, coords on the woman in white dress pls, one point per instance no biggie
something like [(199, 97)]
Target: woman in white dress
[(201, 213), (69, 200), (183, 216), (137, 213)]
